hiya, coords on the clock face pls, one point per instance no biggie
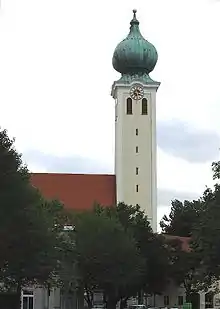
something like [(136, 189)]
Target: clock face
[(136, 92)]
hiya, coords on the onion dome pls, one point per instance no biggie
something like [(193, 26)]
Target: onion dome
[(135, 56)]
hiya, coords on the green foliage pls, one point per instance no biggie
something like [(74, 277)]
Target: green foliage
[(69, 278), (27, 223), (157, 258), (199, 220), (151, 247), (182, 218), (107, 256), (216, 170), (185, 267), (206, 237)]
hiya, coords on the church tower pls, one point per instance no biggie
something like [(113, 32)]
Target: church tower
[(135, 122)]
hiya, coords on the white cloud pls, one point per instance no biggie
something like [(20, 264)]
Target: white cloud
[(56, 75), (177, 174), (185, 141)]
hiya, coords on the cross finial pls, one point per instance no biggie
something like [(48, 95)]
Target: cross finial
[(134, 20), (134, 11)]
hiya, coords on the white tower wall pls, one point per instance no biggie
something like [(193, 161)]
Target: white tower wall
[(129, 158)]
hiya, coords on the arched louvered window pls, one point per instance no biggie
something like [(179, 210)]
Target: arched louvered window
[(144, 106), (129, 106)]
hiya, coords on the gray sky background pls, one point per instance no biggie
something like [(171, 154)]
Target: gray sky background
[(56, 76)]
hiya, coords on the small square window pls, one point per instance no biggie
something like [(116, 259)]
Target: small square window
[(137, 170), (137, 150), (137, 188), (136, 131)]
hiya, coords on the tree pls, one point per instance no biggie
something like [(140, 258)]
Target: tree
[(198, 268), (185, 267), (151, 247), (216, 170), (157, 257), (182, 218), (206, 237), (107, 257), (28, 233)]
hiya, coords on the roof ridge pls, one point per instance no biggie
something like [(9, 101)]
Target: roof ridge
[(61, 174)]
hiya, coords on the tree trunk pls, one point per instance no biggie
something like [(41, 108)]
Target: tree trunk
[(89, 302), (19, 294), (123, 303), (188, 291), (188, 296), (140, 297), (48, 297), (111, 304), (154, 300), (89, 297)]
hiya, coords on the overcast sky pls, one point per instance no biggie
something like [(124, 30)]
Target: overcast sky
[(56, 75)]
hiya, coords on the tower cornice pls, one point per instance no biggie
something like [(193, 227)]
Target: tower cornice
[(153, 85)]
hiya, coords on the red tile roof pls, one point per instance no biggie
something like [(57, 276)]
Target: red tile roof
[(76, 191), (185, 241)]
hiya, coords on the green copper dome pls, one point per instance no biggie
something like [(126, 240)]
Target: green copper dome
[(134, 55)]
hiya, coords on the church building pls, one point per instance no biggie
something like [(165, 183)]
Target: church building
[(135, 179)]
